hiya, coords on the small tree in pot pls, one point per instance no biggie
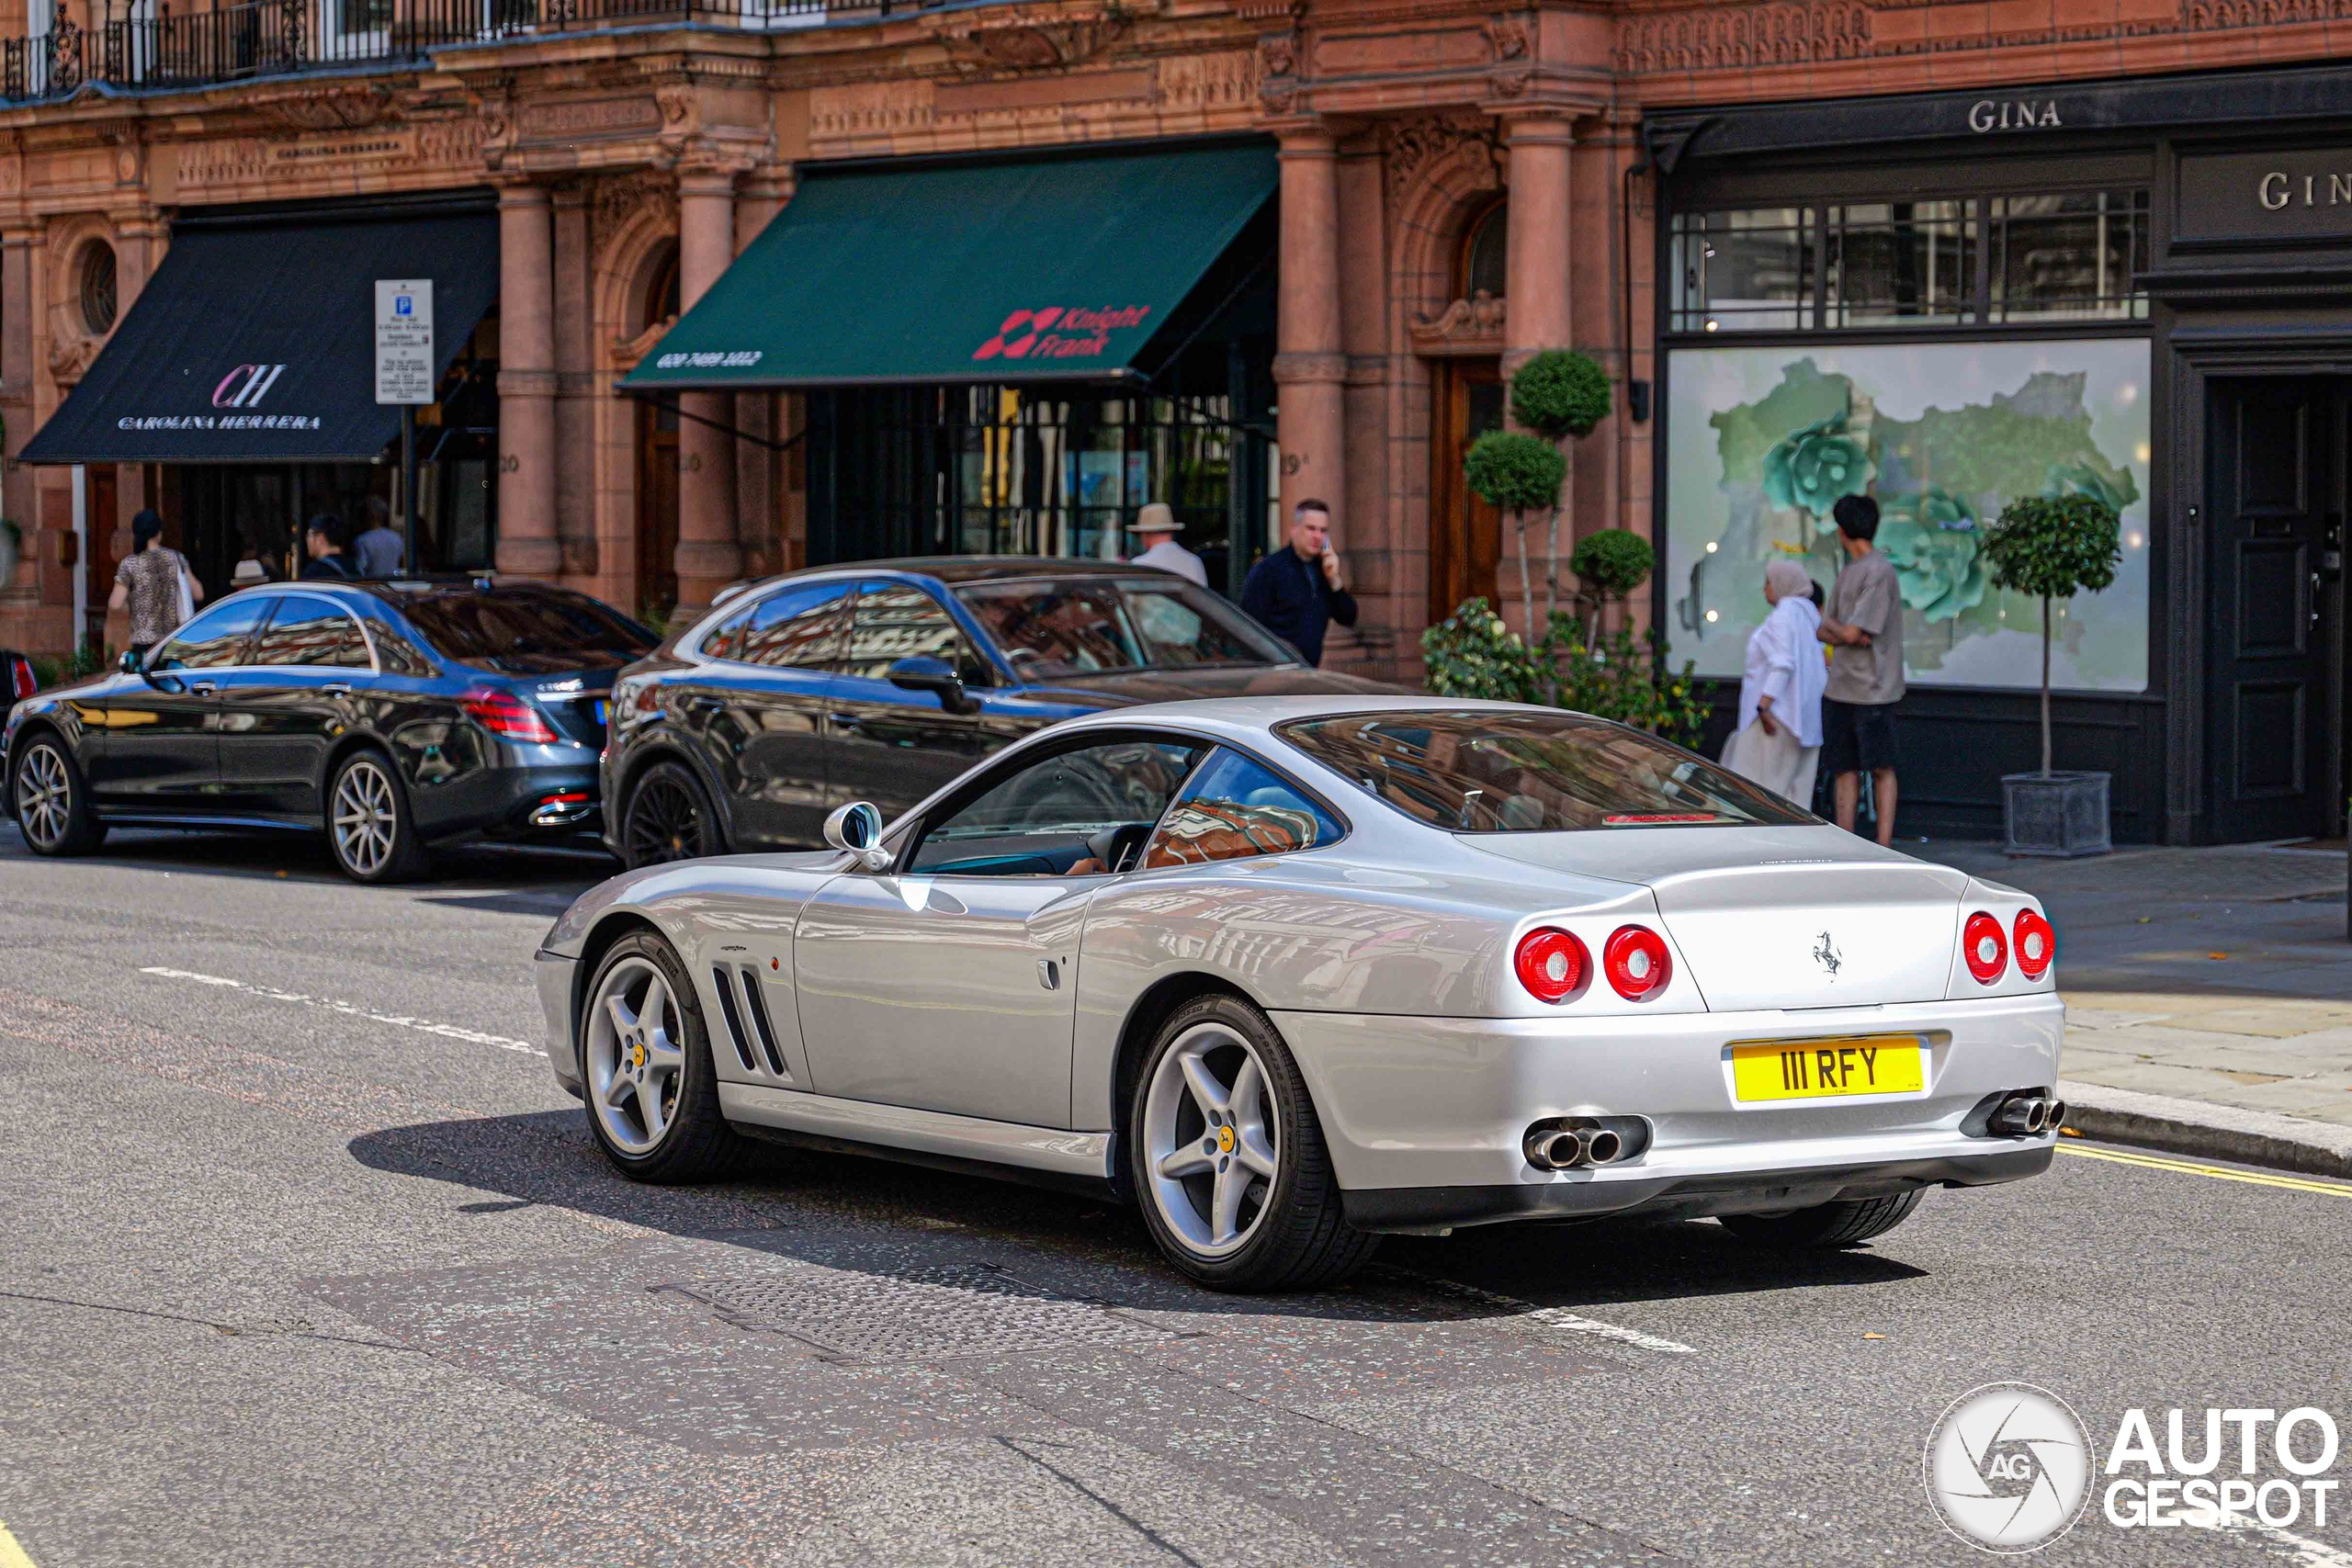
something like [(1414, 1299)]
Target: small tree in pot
[(2054, 546), (1561, 396), (1518, 474)]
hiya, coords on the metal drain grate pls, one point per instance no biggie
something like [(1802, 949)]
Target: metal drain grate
[(965, 1309)]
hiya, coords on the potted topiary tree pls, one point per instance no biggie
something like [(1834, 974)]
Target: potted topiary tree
[(1610, 564), (2054, 548), (1515, 473), (1561, 396)]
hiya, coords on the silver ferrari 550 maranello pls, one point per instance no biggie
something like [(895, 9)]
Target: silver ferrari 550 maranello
[(1293, 972)]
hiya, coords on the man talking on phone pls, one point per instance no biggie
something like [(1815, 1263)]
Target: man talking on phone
[(1297, 592)]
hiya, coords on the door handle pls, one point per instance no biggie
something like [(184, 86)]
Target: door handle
[(202, 688), (338, 689), (1049, 974), (704, 704), (847, 720)]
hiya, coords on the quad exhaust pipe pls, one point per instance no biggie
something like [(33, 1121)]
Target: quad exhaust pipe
[(1554, 1148), (2028, 1115)]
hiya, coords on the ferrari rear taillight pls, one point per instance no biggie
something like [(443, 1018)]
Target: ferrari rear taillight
[(1986, 950), (2037, 945), (1551, 964), (1636, 961), (505, 713)]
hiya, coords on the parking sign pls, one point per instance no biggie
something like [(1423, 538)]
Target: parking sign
[(404, 362)]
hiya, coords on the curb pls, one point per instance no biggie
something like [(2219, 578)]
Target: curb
[(2211, 1131)]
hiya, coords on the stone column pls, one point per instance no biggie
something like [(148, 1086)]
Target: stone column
[(1310, 358), (1537, 263), (758, 467), (527, 545), (709, 556), (575, 391)]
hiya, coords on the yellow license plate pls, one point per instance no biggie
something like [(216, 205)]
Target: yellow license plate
[(1820, 1069)]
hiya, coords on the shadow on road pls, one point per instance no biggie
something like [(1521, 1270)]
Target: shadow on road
[(881, 1216), (304, 857)]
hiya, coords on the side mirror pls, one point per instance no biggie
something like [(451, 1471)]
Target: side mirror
[(924, 673), (128, 663), (856, 830)]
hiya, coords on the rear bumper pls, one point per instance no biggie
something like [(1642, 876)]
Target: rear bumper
[(1424, 1117), (1410, 1210), (507, 801)]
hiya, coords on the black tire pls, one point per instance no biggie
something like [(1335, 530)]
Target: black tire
[(1848, 1223), (668, 817), (53, 823), (696, 1143), (1302, 1240)]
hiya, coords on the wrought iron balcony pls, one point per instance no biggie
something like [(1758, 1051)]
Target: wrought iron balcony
[(148, 44)]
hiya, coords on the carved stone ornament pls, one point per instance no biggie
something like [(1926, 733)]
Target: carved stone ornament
[(1278, 61), (1510, 81), (1508, 38), (1725, 37), (1471, 326), (70, 354), (351, 106), (975, 40), (620, 199), (1412, 146), (677, 104)]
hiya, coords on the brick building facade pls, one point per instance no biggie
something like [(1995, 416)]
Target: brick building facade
[(1458, 188)]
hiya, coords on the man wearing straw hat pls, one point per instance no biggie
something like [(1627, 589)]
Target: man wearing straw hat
[(1158, 525)]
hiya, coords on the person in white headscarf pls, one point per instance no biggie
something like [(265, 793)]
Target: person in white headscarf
[(1777, 743)]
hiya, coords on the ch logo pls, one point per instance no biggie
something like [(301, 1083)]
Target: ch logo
[(1825, 952), (1013, 347), (243, 387)]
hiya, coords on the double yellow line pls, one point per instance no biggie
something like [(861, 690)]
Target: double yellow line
[(2152, 1162), (11, 1554)]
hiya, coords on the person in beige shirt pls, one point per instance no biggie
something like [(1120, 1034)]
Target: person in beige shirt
[(1863, 623)]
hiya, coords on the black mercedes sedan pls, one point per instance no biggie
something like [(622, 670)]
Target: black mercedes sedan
[(393, 716), (882, 680)]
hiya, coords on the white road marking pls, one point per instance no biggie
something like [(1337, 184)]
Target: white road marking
[(2300, 1549), (351, 1009), (1522, 1314)]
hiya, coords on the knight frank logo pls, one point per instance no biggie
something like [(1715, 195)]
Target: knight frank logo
[(244, 387), (1059, 331)]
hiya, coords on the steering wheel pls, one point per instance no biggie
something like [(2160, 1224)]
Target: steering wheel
[(1120, 848)]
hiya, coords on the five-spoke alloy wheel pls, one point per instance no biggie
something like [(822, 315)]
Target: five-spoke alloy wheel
[(52, 803), (668, 818), (368, 821), (645, 1054), (1228, 1160)]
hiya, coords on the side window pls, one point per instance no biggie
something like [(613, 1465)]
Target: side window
[(1080, 812), (399, 652), (311, 631), (215, 638), (793, 628), (1235, 808), (896, 622)]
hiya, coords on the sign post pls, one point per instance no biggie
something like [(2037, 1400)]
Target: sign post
[(404, 363)]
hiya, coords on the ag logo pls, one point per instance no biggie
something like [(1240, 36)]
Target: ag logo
[(2008, 1467)]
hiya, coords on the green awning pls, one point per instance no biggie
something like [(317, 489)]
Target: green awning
[(1022, 269)]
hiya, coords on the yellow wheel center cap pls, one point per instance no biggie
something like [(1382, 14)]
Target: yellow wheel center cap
[(637, 1056), (1224, 1140)]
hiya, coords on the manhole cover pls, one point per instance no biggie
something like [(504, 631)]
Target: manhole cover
[(966, 1309)]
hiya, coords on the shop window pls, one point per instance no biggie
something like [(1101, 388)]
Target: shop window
[(2073, 255), (1485, 254), (1744, 271), (97, 288), (1900, 262)]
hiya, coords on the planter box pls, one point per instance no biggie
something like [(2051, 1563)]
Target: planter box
[(2059, 817)]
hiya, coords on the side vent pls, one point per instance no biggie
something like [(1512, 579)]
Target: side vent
[(757, 1005), (734, 1022)]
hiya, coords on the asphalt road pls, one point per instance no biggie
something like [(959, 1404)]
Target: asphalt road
[(307, 1260)]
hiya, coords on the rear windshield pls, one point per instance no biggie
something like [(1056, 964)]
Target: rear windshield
[(1055, 628), (519, 630), (1532, 772)]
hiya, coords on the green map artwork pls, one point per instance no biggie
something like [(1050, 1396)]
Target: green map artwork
[(1763, 442)]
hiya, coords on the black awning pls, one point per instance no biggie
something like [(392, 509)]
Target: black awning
[(255, 340)]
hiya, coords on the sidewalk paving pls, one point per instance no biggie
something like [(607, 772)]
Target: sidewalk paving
[(2209, 995)]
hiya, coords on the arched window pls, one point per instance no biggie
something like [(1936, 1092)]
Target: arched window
[(97, 288), (1486, 245), (662, 294)]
